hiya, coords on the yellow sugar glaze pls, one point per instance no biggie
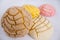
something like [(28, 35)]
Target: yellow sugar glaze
[(35, 12)]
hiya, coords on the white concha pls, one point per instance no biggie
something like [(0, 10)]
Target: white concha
[(16, 21), (42, 29)]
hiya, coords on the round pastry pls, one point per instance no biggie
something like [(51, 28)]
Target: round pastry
[(41, 29), (47, 10), (16, 22), (34, 11)]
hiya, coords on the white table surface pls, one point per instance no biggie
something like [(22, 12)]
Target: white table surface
[(55, 20)]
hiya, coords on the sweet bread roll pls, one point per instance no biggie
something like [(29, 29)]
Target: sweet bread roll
[(34, 11), (41, 29), (47, 10), (16, 22)]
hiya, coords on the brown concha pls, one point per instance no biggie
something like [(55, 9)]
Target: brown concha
[(16, 21)]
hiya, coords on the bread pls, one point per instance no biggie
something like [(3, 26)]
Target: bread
[(41, 29), (16, 22), (34, 11)]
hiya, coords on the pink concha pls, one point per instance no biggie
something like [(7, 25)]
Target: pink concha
[(47, 10)]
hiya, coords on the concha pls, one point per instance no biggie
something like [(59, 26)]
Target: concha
[(41, 29), (16, 22), (33, 10)]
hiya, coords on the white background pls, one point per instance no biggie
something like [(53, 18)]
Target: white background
[(55, 20)]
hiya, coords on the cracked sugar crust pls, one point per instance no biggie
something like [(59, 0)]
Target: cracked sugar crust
[(16, 21), (34, 11), (41, 25)]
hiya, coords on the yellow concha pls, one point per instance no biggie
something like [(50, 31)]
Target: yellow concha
[(16, 21), (41, 29), (34, 11)]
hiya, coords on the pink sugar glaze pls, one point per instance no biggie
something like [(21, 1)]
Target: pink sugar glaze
[(47, 10)]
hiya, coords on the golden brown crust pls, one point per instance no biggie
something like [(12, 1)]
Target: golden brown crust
[(16, 22)]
